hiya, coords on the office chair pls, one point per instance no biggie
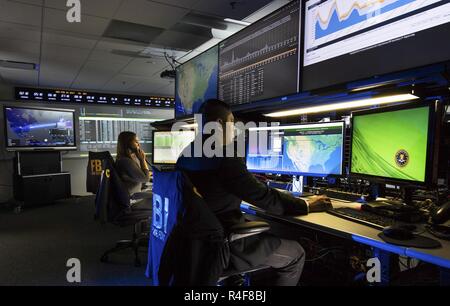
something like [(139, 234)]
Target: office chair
[(94, 169), (188, 245), (112, 205)]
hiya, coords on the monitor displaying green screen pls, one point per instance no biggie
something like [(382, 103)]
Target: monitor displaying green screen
[(391, 144), (168, 146)]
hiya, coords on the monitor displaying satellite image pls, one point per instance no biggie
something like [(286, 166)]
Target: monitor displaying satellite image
[(196, 82)]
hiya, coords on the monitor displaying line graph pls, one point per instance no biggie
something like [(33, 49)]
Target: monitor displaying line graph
[(354, 39)]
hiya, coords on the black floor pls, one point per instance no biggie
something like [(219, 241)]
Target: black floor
[(36, 244)]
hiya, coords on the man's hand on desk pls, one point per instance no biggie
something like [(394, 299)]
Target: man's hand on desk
[(319, 203)]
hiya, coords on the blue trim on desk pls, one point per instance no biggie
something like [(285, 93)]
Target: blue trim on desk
[(380, 245), (439, 261), (246, 208)]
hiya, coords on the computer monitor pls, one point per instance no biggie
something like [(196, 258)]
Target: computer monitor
[(262, 61), (314, 149), (168, 145), (29, 128), (348, 40), (395, 144), (196, 81)]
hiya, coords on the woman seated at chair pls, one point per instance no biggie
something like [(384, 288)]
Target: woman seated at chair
[(132, 166)]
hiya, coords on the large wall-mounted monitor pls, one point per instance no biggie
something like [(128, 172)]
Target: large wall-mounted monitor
[(196, 81), (262, 60), (314, 149), (394, 144), (348, 40), (28, 128)]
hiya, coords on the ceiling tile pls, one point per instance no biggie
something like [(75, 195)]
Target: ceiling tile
[(168, 90), (68, 40), (144, 67), (19, 50), (152, 85), (22, 32), (20, 13), (100, 8), (69, 54), (178, 3), (89, 25), (223, 8), (58, 72), (95, 74), (107, 57), (180, 41), (20, 77), (121, 83), (150, 13), (108, 44)]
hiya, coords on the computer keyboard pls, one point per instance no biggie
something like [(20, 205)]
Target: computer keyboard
[(341, 195), (362, 217)]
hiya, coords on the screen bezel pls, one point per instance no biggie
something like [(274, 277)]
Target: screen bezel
[(176, 83), (430, 154), (34, 148), (346, 84), (309, 174), (153, 147), (299, 57)]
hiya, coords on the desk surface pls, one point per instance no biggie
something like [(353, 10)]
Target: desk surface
[(330, 224)]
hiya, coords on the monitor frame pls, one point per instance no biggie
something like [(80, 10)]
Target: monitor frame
[(432, 145), (308, 174), (347, 84), (176, 83), (40, 148), (153, 163), (299, 74)]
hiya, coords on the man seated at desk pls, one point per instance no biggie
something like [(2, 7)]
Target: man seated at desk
[(224, 182)]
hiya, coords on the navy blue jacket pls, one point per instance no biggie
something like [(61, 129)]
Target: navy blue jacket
[(224, 182)]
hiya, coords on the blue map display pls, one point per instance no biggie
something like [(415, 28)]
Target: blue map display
[(196, 82), (314, 155)]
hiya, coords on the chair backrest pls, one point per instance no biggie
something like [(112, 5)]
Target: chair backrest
[(112, 197), (96, 165), (186, 239)]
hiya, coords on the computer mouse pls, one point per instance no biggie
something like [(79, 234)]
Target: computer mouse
[(398, 232), (441, 214)]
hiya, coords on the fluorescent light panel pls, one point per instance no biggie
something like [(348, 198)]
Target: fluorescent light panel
[(344, 105), (119, 119), (243, 23)]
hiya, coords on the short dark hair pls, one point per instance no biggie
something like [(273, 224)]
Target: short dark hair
[(214, 109)]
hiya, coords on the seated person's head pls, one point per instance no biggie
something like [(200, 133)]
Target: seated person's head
[(219, 112), (127, 144)]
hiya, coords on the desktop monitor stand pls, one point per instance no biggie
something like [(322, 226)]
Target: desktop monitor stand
[(377, 191), (297, 185)]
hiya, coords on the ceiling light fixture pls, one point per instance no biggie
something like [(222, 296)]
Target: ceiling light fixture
[(239, 22)]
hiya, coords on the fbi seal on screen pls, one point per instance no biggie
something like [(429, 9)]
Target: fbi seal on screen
[(402, 158)]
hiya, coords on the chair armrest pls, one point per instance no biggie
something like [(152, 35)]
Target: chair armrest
[(247, 229)]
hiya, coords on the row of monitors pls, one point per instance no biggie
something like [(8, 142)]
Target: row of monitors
[(314, 44), (394, 144)]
